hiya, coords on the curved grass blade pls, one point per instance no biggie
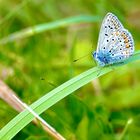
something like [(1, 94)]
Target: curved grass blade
[(25, 117), (48, 26)]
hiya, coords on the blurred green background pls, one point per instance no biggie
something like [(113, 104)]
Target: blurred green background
[(100, 109)]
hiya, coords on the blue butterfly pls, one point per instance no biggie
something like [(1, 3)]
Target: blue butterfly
[(115, 43)]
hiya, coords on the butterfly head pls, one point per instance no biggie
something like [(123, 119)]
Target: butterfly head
[(101, 60)]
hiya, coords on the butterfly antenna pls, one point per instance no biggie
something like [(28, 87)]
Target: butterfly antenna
[(84, 55), (50, 83), (81, 57)]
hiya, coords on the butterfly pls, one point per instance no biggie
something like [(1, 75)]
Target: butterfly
[(115, 43)]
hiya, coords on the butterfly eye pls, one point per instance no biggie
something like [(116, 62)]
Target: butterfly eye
[(112, 39), (107, 40)]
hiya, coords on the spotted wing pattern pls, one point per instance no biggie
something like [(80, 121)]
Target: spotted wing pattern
[(115, 39)]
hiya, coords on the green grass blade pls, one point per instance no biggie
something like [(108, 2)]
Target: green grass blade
[(24, 118), (48, 26)]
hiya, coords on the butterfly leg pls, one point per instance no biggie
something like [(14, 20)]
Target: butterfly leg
[(99, 72)]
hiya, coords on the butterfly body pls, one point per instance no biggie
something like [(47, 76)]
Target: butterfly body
[(115, 43), (104, 59)]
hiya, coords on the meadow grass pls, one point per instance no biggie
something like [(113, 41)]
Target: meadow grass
[(40, 40), (42, 104)]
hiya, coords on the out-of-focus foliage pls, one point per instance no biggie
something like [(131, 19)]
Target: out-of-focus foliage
[(98, 110)]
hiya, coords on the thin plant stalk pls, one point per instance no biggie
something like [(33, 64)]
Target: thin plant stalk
[(10, 97), (44, 124)]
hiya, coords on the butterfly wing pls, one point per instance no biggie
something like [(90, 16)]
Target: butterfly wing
[(115, 40), (109, 25), (121, 47)]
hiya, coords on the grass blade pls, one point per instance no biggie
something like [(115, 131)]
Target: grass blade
[(48, 26), (25, 117)]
